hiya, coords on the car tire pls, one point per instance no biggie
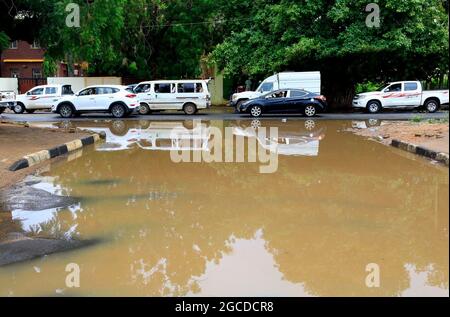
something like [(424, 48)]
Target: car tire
[(2, 110), (19, 108), (310, 111), (118, 110), (431, 105), (256, 111), (66, 111), (190, 109), (144, 109), (373, 106)]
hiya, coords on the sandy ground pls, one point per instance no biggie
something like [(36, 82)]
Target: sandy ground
[(434, 136), (19, 140)]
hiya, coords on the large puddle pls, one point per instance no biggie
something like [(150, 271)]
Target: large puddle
[(336, 204)]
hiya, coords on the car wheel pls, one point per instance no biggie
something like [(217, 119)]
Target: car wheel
[(144, 109), (256, 124), (432, 106), (118, 111), (66, 111), (310, 111), (190, 109), (310, 125), (373, 106), (19, 108), (256, 111), (119, 128)]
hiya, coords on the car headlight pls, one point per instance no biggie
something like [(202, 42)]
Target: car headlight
[(234, 97)]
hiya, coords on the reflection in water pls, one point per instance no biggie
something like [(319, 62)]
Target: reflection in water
[(309, 229)]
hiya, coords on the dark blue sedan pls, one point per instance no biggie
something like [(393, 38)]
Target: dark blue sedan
[(285, 101)]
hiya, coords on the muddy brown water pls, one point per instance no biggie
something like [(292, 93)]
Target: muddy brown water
[(337, 203)]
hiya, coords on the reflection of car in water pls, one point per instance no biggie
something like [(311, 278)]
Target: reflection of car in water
[(148, 135), (174, 136), (294, 138)]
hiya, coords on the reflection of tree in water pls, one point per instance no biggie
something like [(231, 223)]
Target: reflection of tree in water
[(323, 219)]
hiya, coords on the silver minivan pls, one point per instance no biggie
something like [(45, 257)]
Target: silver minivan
[(182, 95)]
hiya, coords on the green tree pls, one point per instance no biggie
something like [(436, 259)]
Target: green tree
[(332, 36)]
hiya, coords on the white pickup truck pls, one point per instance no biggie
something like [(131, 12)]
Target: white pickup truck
[(41, 97), (401, 95), (7, 100)]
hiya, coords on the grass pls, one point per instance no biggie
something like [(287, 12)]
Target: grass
[(419, 119)]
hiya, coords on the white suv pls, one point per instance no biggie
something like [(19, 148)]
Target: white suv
[(112, 99)]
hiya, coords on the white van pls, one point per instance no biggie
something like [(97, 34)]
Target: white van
[(309, 81), (186, 95)]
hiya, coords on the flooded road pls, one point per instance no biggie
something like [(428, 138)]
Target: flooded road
[(336, 203)]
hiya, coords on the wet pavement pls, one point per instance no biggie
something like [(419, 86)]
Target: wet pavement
[(226, 113), (336, 203)]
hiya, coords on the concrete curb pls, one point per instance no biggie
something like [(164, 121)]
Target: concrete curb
[(41, 156), (422, 151)]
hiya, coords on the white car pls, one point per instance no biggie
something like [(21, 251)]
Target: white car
[(186, 95), (41, 97), (114, 99), (401, 95)]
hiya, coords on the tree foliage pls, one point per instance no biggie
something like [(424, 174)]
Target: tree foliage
[(332, 36), (168, 38)]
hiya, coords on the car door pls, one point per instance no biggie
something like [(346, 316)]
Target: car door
[(33, 97), (297, 100), (393, 95), (104, 97), (85, 100), (280, 102), (413, 95), (144, 93), (165, 97), (49, 97)]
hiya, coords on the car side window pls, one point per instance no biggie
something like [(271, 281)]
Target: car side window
[(50, 91), (186, 88), (67, 90), (266, 87), (164, 88), (142, 88), (410, 86), (87, 92), (37, 92), (298, 93), (106, 90), (394, 88)]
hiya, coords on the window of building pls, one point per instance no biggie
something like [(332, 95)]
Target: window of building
[(37, 73), (14, 45), (35, 44), (15, 73)]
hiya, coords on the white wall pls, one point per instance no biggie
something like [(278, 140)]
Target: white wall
[(9, 84), (79, 83)]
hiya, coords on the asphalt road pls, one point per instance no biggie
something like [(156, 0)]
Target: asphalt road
[(226, 114)]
